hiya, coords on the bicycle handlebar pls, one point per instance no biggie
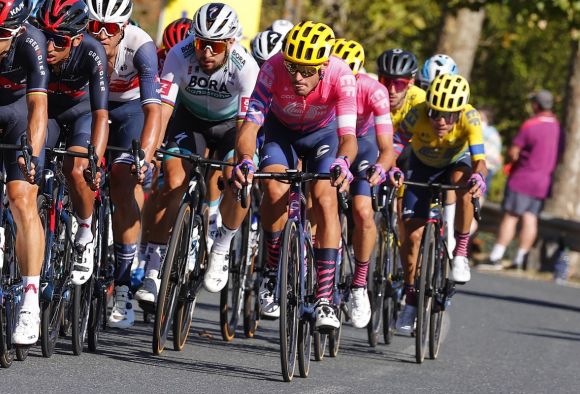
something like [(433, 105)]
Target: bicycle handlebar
[(197, 159)]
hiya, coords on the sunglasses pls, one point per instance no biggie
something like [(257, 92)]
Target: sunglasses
[(6, 34), (58, 40), (450, 117), (305, 71), (215, 47), (399, 84), (111, 28)]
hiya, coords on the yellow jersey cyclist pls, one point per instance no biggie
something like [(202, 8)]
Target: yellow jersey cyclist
[(446, 144), (374, 132), (306, 101)]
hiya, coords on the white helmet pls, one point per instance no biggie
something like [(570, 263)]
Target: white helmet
[(281, 26), (215, 21), (110, 11), (240, 33), (434, 66), (266, 44)]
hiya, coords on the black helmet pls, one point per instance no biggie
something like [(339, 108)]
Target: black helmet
[(67, 17), (397, 63), (13, 13)]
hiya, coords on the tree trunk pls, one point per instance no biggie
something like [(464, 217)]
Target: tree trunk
[(565, 201), (459, 37), (293, 10)]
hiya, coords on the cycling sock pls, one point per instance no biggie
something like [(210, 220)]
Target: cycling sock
[(84, 233), (223, 240), (325, 269), (31, 287), (410, 295), (461, 245), (361, 268), (124, 255), (497, 252), (214, 217), (520, 257), (449, 216), (142, 255), (156, 254), (273, 240)]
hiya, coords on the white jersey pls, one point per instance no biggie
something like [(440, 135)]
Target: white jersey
[(135, 74), (222, 95)]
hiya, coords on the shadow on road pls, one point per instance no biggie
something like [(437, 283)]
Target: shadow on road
[(550, 334), (521, 300)]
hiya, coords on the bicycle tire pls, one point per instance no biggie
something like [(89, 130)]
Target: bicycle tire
[(288, 274), (232, 295), (305, 328), (170, 281), (96, 317), (376, 287), (390, 307), (334, 336), (22, 352), (82, 297), (439, 282), (251, 300), (6, 354), (424, 269), (320, 343)]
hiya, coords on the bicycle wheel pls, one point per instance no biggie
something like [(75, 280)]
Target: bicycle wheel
[(289, 282), (6, 353), (342, 287), (175, 258), (320, 343), (305, 327), (376, 287), (251, 300), (232, 295), (81, 305), (390, 304), (425, 264), (439, 284)]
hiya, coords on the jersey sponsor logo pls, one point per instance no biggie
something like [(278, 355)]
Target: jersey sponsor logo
[(348, 85), (245, 104), (39, 55), (473, 117), (202, 86), (180, 137), (238, 59), (322, 150), (16, 10), (165, 87), (363, 165), (101, 69), (380, 99), (297, 110), (187, 50)]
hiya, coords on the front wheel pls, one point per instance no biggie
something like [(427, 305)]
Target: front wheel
[(82, 299), (439, 285), (424, 297)]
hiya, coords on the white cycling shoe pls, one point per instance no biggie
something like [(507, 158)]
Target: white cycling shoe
[(460, 272), (267, 305), (361, 307), (406, 320), (27, 328), (83, 265), (148, 290), (326, 319), (122, 315), (216, 276)]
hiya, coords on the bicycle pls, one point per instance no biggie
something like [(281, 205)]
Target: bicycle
[(185, 261), (11, 286), (295, 291), (434, 288), (240, 295), (386, 282)]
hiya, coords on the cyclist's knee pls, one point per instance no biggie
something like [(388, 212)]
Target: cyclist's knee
[(275, 192), (22, 200), (363, 215)]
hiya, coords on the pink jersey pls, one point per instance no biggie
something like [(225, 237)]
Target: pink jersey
[(333, 98), (372, 104)]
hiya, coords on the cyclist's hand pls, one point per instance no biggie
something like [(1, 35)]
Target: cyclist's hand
[(238, 178), (93, 183), (29, 175), (396, 176), (477, 183), (377, 175), (144, 168), (345, 174)]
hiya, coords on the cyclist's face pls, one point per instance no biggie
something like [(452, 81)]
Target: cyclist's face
[(397, 88), (5, 47), (304, 85), (211, 60), (441, 127), (110, 42), (57, 55)]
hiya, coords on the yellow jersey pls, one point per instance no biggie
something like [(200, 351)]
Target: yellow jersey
[(438, 152), (415, 95)]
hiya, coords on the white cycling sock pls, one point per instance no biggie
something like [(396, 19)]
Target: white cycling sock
[(31, 289), (497, 252), (520, 257), (449, 217), (155, 254), (84, 234), (223, 240)]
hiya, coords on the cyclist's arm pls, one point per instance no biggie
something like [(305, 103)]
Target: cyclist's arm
[(100, 131), (169, 89), (346, 116), (145, 62), (475, 141), (383, 125), (37, 120), (246, 140), (99, 97), (386, 150)]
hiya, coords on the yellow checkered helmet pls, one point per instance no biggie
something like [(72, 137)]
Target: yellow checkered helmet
[(351, 52), (309, 43), (448, 93)]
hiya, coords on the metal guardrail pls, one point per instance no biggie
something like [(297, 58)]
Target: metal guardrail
[(549, 226)]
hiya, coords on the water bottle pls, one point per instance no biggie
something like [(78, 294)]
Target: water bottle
[(192, 253), (2, 241), (562, 265)]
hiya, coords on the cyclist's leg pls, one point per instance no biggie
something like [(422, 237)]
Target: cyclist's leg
[(22, 200), (320, 149), (365, 232), (82, 197)]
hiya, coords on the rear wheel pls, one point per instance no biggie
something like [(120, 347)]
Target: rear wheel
[(342, 288), (376, 286), (439, 284), (390, 304), (6, 353), (175, 258), (424, 298), (305, 327), (289, 260), (82, 299)]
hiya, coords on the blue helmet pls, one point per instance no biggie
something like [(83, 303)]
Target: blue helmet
[(434, 66)]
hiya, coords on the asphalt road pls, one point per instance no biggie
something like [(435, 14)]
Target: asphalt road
[(502, 335)]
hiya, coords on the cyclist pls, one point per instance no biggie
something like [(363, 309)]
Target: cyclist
[(265, 45), (446, 143), (23, 106), (434, 66), (173, 33), (212, 77), (135, 113), (375, 149), (77, 108), (306, 101)]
